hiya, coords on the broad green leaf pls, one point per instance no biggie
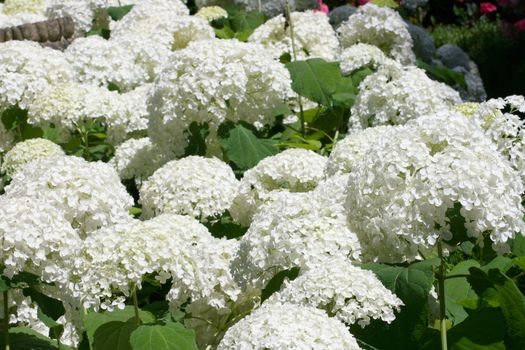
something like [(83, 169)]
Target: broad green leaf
[(168, 336), (225, 227), (359, 75), (197, 134), (500, 262), (281, 109), (93, 320), (499, 290), (277, 281), (457, 225), (24, 338), (444, 74), (519, 262), (458, 289), (412, 285), (315, 79), (50, 307), (244, 23), (24, 280), (245, 149), (4, 284), (118, 12), (518, 245), (114, 335)]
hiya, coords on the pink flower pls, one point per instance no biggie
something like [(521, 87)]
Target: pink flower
[(487, 7), (520, 24), (362, 2), (322, 7)]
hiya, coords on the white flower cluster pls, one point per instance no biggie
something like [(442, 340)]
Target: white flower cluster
[(214, 81), (89, 194), (314, 37), (351, 294), (348, 151), (171, 246), (6, 138), (361, 56), (210, 13), (67, 105), (331, 195), (19, 19), (288, 326), (293, 170), (27, 151), (82, 12), (395, 94), (36, 238), (507, 130), (102, 62), (26, 68), (196, 186), (294, 230), (403, 191), (137, 159), (13, 7), (381, 27)]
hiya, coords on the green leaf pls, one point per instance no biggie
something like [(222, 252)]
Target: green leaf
[(118, 12), (481, 330), (443, 74), (386, 3), (281, 109), (496, 289), (197, 134), (24, 280), (412, 285), (518, 245), (24, 338), (168, 336), (4, 284), (359, 75), (244, 23), (103, 32), (457, 225), (52, 308), (458, 289), (315, 79), (225, 227), (114, 335), (501, 263), (94, 320), (277, 281), (245, 149)]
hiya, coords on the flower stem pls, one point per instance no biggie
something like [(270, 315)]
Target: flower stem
[(441, 290), (136, 305), (6, 321)]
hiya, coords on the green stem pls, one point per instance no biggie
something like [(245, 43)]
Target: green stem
[(441, 290), (294, 54), (6, 321), (136, 305)]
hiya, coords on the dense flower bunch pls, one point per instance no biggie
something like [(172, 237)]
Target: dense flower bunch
[(67, 105), (293, 170), (361, 56), (348, 151), (35, 238), (351, 294), (293, 230), (214, 81), (137, 159), (89, 194), (102, 62), (381, 27), (19, 19), (83, 12), (13, 7), (395, 94), (313, 36), (27, 151), (403, 192), (196, 186), (288, 326), (211, 13), (27, 69)]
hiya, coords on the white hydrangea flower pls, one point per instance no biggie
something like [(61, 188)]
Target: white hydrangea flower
[(517, 102), (394, 95), (288, 326), (13, 7), (81, 11), (399, 195), (349, 293), (294, 170), (360, 56), (331, 195), (381, 27), (67, 105), (88, 193), (214, 81), (102, 62), (138, 159), (196, 186), (210, 13), (25, 312), (26, 68), (314, 36), (507, 130), (19, 19), (27, 151), (36, 238), (348, 151), (294, 230), (171, 246)]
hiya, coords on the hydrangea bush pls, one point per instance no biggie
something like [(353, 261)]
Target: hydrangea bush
[(240, 180)]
